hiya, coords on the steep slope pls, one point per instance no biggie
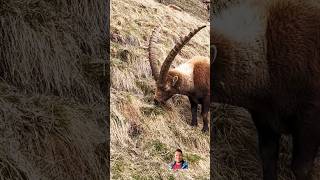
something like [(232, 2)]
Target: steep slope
[(143, 136), (52, 92)]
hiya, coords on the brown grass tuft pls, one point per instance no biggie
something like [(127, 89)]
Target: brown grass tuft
[(52, 97)]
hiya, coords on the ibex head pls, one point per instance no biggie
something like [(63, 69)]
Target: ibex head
[(167, 81)]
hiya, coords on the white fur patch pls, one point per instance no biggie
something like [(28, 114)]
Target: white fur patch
[(185, 68), (242, 22)]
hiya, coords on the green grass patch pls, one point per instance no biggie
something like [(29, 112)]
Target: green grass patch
[(148, 111), (171, 177), (192, 158), (129, 97), (143, 85), (117, 168), (115, 62), (157, 148), (142, 177)]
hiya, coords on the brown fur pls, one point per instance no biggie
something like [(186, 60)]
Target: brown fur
[(202, 77), (279, 85), (190, 78), (197, 89)]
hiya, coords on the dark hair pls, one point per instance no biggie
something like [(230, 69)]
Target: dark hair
[(179, 150)]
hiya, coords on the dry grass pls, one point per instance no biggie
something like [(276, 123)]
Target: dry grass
[(144, 137), (197, 8), (48, 46), (52, 56)]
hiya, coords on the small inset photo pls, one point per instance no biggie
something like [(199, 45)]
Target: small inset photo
[(179, 163)]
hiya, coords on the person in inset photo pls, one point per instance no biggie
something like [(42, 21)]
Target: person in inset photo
[(179, 162)]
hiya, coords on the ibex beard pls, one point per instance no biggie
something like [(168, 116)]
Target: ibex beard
[(191, 78)]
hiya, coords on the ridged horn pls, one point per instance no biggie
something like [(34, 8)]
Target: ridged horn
[(173, 53), (152, 52)]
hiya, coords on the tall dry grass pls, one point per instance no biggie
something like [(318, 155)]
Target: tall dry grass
[(51, 47), (143, 136), (52, 89)]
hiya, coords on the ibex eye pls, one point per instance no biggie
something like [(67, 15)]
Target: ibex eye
[(193, 85)]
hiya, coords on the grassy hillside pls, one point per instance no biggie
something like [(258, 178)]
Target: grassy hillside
[(143, 136), (52, 89), (195, 7)]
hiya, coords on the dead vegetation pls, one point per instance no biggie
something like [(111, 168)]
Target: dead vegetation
[(52, 92), (144, 137), (196, 7)]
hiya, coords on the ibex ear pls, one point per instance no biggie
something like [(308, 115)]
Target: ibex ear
[(213, 53), (174, 80)]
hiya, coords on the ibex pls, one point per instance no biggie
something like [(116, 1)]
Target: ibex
[(190, 79), (270, 65)]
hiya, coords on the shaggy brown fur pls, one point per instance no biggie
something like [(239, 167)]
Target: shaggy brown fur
[(276, 76), (201, 73), (191, 79), (195, 86)]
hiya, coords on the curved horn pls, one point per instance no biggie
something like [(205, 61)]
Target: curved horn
[(214, 52), (152, 53), (173, 53)]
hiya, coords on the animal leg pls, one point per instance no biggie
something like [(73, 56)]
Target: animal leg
[(304, 153), (194, 111), (204, 113), (268, 145), (305, 146)]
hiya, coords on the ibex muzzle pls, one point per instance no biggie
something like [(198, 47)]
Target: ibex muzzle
[(191, 78)]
